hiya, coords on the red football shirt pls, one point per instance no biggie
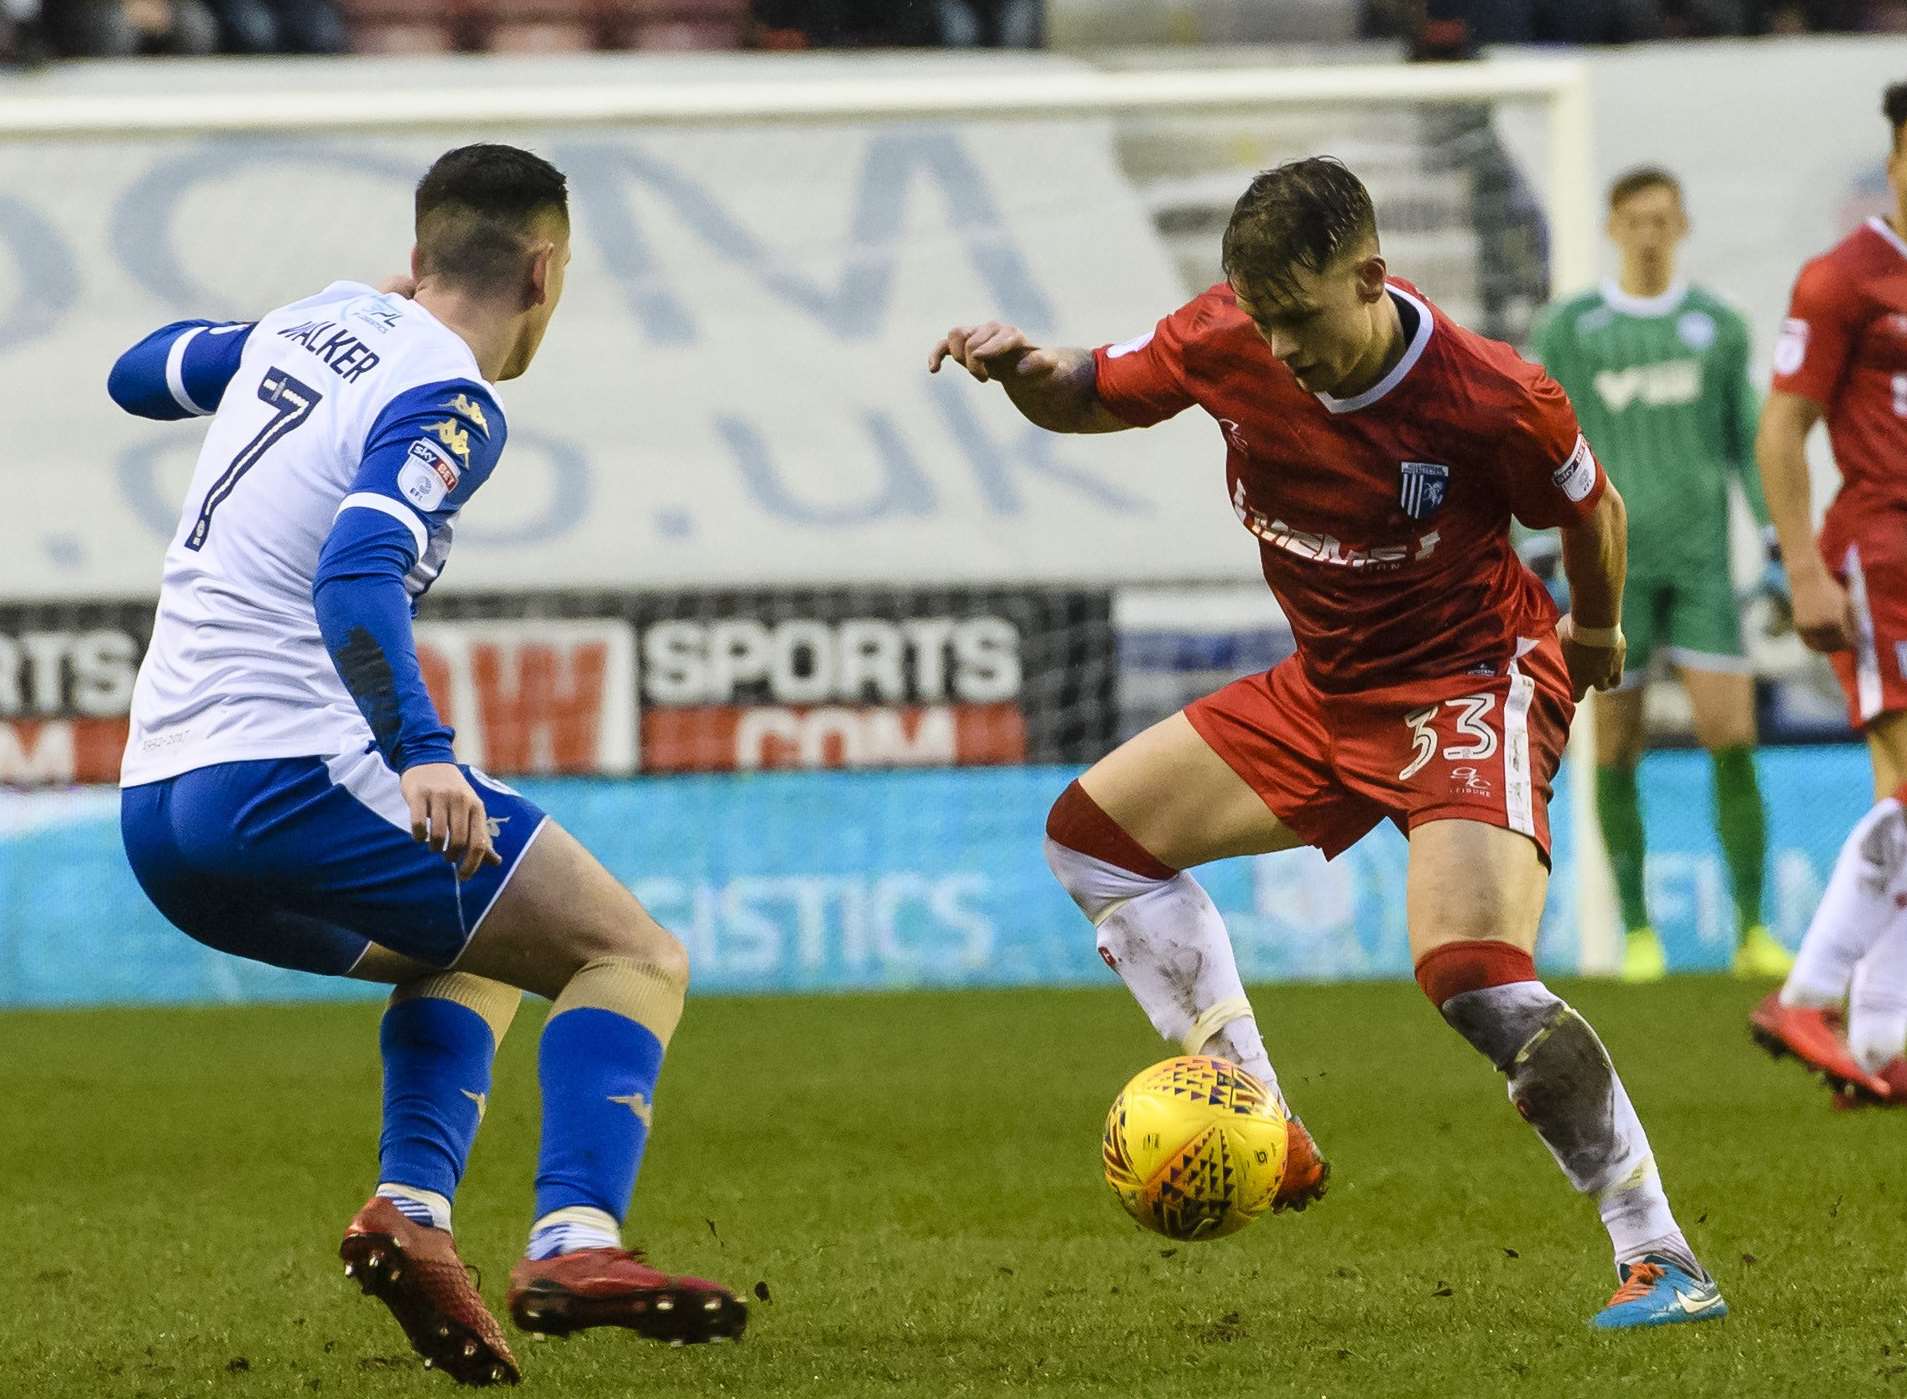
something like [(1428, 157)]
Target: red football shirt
[(1844, 345), (1382, 520)]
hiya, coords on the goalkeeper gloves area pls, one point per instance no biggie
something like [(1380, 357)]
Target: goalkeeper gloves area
[(1773, 585)]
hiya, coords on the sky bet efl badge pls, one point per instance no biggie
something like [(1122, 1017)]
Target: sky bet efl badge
[(1425, 485)]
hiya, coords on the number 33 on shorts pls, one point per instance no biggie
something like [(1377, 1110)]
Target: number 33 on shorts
[(1477, 740)]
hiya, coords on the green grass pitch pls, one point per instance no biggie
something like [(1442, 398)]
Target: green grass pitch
[(913, 1182)]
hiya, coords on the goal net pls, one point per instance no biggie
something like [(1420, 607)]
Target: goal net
[(800, 639)]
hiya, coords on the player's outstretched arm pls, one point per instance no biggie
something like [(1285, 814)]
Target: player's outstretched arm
[(180, 370), (1821, 616), (1053, 388), (1596, 562)]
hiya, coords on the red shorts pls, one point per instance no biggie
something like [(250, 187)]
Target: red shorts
[(1874, 673), (1471, 747)]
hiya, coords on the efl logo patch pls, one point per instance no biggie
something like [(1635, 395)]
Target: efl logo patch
[(427, 476), (1576, 478), (1425, 485), (1791, 347), (1127, 347)]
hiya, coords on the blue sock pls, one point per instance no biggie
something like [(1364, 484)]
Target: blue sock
[(598, 1073), (437, 1057)]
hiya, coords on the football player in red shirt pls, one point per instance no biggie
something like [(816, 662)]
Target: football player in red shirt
[(1842, 357), (1377, 451)]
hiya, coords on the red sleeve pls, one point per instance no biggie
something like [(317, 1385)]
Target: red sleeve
[(1143, 380), (1815, 340), (1552, 476)]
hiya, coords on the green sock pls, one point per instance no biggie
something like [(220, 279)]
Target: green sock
[(1619, 812), (1740, 822)]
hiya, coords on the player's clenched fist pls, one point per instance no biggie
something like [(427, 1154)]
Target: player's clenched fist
[(990, 350), (1823, 618), (448, 816), (1594, 660)]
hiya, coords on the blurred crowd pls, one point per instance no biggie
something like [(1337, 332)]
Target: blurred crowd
[(35, 30), (41, 29), (1459, 25)]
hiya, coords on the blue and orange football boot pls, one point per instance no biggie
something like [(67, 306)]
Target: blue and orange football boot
[(1657, 1291)]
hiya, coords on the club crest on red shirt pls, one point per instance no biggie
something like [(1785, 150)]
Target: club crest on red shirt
[(1425, 484)]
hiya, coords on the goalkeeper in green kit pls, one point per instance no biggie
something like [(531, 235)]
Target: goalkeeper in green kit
[(1658, 372)]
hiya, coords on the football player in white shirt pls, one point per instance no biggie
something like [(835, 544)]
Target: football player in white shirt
[(290, 794)]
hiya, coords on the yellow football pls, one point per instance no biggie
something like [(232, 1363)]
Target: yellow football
[(1195, 1148)]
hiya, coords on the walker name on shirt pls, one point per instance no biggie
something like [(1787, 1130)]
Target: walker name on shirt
[(343, 353)]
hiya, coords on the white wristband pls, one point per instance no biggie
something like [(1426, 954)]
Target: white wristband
[(1604, 637)]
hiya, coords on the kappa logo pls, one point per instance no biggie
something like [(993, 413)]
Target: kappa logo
[(463, 404), (482, 1100), (1424, 487), (638, 1103), (454, 438)]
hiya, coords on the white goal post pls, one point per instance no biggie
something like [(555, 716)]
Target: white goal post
[(777, 91)]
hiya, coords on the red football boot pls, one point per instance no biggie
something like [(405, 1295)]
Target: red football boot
[(1305, 1171), (415, 1271), (1814, 1037), (615, 1287), (1894, 1074)]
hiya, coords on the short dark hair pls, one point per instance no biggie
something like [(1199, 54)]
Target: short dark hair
[(477, 209), (1299, 214), (1632, 182), (1894, 107)]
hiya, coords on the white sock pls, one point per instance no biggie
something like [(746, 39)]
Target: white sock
[(1877, 1001), (571, 1229), (1168, 943), (424, 1207), (1564, 1085), (1855, 909), (1636, 1213)]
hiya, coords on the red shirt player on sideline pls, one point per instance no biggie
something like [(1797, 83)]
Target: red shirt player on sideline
[(1842, 356), (1377, 452)]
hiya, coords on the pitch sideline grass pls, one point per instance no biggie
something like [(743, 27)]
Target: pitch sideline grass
[(914, 1182)]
